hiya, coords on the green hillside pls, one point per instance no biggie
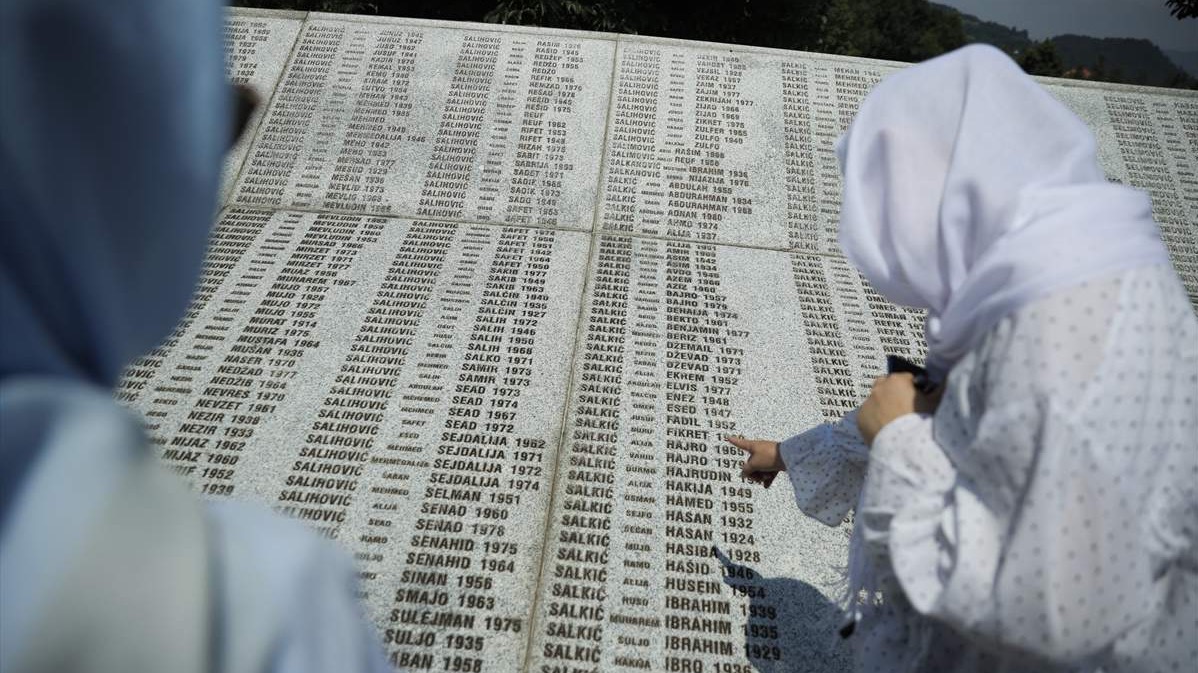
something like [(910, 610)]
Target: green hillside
[(1135, 61), (1011, 40), (1186, 60), (1127, 60)]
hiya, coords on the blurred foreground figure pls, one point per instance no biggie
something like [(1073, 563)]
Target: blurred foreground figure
[(113, 119), (1037, 512)]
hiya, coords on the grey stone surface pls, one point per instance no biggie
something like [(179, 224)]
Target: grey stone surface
[(398, 386), (659, 556), (258, 45), (486, 299), (728, 145), (1149, 140), (734, 145), (1157, 138), (426, 121)]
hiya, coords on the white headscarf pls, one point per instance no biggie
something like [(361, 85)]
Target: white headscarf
[(970, 191)]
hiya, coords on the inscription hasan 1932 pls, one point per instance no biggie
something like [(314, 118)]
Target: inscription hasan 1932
[(484, 301)]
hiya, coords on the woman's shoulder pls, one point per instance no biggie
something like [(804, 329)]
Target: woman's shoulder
[(1058, 346)]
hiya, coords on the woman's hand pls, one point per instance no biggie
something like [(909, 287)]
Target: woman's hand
[(764, 462), (893, 396)]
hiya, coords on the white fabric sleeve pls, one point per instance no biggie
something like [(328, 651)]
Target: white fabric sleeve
[(109, 564), (1058, 581), (286, 598), (826, 466)]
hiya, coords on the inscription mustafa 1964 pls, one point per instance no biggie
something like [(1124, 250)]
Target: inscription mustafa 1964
[(483, 302)]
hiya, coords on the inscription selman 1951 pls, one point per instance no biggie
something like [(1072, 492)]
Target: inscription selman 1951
[(483, 302)]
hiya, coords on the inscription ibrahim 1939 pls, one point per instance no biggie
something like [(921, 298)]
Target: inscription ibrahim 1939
[(484, 301)]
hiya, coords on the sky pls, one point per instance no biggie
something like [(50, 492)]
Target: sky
[(1098, 18)]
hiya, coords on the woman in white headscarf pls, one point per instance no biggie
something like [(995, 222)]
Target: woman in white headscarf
[(1039, 511), (113, 118)]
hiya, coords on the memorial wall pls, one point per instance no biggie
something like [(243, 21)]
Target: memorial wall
[(482, 302)]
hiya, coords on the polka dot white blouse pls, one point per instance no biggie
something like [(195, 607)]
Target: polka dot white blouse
[(1046, 517)]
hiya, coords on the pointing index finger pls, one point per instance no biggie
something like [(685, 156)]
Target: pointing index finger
[(739, 442)]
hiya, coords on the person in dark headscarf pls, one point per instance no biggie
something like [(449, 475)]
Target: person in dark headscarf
[(1039, 512), (113, 119)]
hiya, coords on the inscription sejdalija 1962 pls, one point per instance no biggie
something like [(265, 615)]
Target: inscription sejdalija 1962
[(483, 301), (398, 386)]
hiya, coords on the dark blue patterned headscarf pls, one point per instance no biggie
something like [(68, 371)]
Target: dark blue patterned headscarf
[(113, 120)]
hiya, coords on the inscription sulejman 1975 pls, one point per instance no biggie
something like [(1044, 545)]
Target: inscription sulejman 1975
[(483, 302)]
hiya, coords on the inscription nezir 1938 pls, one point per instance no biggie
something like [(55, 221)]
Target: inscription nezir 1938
[(483, 302)]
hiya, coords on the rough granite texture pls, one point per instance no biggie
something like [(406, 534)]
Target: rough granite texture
[(513, 121), (258, 46), (483, 301)]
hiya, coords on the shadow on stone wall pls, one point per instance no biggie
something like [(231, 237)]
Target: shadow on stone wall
[(791, 625)]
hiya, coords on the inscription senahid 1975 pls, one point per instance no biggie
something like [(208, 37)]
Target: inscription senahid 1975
[(483, 301)]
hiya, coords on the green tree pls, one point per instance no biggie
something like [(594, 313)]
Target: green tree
[(901, 30), (772, 23), (843, 30), (1041, 58), (907, 30), (1183, 9), (617, 16), (453, 10), (904, 30)]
